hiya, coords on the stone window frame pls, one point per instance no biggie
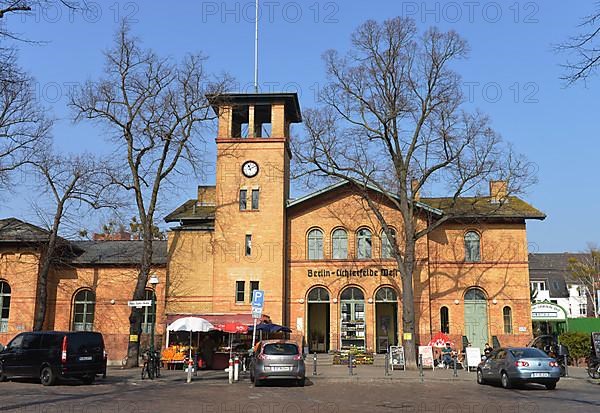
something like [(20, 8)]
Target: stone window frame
[(85, 325), (318, 249), (5, 295)]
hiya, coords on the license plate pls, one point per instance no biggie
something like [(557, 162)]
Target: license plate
[(86, 358), (540, 374), (281, 368)]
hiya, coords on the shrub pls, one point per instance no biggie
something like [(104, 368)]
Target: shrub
[(577, 343)]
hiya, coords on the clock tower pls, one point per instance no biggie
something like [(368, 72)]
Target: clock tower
[(252, 189)]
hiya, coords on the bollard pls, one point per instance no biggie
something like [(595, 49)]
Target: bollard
[(236, 369), (315, 363), (196, 365), (566, 365), (350, 364), (230, 371), (421, 367), (189, 371), (455, 374), (387, 362)]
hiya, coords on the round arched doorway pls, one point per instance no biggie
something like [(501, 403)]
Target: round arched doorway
[(386, 316), (318, 320), (476, 318), (352, 310)]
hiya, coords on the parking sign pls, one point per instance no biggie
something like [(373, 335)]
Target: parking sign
[(258, 298)]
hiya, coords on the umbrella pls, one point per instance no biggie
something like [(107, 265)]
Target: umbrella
[(439, 340), (191, 324), (271, 328), (232, 328)]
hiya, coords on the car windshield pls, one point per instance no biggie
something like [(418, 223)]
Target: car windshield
[(281, 349), (528, 353)]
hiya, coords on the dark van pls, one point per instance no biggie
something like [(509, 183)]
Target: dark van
[(51, 355)]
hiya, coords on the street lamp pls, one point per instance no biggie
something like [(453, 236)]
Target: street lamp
[(153, 281)]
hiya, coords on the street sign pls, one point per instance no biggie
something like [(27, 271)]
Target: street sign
[(258, 301), (258, 298), (140, 303), (256, 312)]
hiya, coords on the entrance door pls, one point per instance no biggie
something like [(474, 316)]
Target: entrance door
[(386, 316), (476, 318), (318, 320)]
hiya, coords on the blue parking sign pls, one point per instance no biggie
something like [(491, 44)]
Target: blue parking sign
[(258, 298)]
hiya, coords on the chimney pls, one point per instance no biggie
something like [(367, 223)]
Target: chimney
[(416, 193), (498, 191), (206, 196)]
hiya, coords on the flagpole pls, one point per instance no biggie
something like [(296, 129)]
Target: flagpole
[(256, 50)]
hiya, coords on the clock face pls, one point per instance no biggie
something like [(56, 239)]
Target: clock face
[(250, 169)]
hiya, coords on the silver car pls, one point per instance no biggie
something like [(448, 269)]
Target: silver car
[(277, 359), (515, 365)]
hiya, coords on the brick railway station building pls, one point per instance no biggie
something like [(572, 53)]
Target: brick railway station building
[(323, 261)]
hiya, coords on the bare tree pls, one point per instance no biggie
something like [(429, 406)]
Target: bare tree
[(14, 8), (24, 126), (155, 111), (583, 50), (586, 272), (392, 122), (73, 183)]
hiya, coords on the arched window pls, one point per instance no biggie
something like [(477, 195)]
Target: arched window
[(472, 247), (386, 294), (387, 246), (4, 306), (475, 294), (84, 305), (339, 244), (363, 244), (444, 320), (149, 312), (352, 293), (318, 295), (507, 315), (315, 244)]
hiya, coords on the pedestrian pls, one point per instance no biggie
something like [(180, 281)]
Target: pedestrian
[(447, 355), (487, 350)]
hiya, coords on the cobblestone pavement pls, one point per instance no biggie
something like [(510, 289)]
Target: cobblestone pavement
[(210, 392)]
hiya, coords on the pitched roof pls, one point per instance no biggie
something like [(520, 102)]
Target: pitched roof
[(464, 207), (118, 252), (15, 230), (474, 207), (191, 211), (553, 268)]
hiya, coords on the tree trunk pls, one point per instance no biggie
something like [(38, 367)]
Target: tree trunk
[(45, 265), (408, 309), (135, 317)]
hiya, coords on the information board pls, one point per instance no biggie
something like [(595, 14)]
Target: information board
[(473, 356), (596, 343), (427, 352), (397, 357)]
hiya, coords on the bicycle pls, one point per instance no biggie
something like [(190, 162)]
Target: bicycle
[(593, 368), (151, 367)]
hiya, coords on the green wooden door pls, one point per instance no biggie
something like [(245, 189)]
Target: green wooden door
[(476, 323)]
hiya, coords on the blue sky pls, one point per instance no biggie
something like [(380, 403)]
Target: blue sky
[(512, 74)]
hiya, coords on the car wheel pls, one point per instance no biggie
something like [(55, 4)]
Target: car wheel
[(302, 382), (505, 380), (480, 379), (47, 376), (87, 380), (551, 386)]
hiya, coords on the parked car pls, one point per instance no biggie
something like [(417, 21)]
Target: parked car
[(515, 365), (549, 345), (52, 355), (277, 360)]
